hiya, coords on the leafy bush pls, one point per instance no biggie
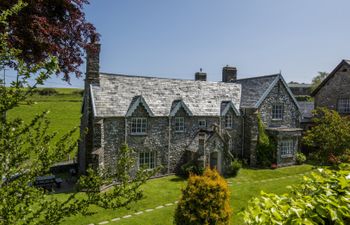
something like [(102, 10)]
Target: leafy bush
[(265, 148), (205, 200), (235, 166), (191, 167), (330, 136), (47, 91), (300, 158), (322, 199)]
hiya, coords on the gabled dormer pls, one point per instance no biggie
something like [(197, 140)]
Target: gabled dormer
[(139, 112), (228, 112)]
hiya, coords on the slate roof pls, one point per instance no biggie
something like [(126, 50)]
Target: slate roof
[(116, 92), (254, 88)]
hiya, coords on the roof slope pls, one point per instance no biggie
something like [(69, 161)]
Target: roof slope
[(306, 109), (116, 92), (344, 61), (254, 88)]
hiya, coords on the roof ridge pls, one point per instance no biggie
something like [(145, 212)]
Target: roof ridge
[(258, 77)]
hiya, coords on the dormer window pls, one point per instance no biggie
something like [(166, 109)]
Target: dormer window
[(202, 123), (228, 121), (139, 125), (179, 124), (277, 112)]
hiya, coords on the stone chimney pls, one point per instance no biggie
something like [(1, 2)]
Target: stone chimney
[(201, 76), (93, 64), (229, 74)]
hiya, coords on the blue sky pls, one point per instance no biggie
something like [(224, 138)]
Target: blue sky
[(175, 38)]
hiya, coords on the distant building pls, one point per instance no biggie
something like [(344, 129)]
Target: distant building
[(170, 121), (334, 91), (300, 89)]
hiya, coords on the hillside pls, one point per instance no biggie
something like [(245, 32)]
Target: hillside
[(64, 107)]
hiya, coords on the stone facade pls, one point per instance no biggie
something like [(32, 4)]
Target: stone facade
[(335, 87), (218, 122)]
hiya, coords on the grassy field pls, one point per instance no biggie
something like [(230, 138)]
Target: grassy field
[(161, 191), (64, 110)]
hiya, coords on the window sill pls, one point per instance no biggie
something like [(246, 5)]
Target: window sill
[(229, 128), (286, 156), (277, 119), (179, 131)]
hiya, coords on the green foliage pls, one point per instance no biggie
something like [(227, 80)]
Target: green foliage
[(191, 167), (317, 80), (330, 136), (304, 98), (205, 200), (28, 150), (322, 199), (235, 166), (265, 148), (300, 158)]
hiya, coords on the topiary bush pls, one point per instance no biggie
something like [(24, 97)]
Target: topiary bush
[(300, 158), (265, 147), (235, 166), (324, 198), (205, 200)]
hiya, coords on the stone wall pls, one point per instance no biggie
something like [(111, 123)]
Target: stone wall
[(337, 87), (279, 95)]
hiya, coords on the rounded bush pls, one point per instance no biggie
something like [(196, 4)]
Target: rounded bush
[(236, 165), (205, 200), (300, 158)]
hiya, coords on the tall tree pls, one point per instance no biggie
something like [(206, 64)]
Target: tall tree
[(27, 150), (318, 79), (50, 28)]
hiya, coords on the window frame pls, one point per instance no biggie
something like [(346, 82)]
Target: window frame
[(147, 160), (202, 126), (277, 114), (138, 126), (343, 107), (228, 125), (287, 148), (179, 124)]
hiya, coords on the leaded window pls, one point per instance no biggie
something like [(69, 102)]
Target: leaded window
[(228, 121), (179, 124), (344, 105), (202, 123), (277, 112), (139, 125), (147, 160), (287, 148)]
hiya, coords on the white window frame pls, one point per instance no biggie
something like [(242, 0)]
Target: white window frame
[(287, 148), (277, 111), (147, 160), (228, 121), (138, 125), (202, 123), (179, 124), (344, 105)]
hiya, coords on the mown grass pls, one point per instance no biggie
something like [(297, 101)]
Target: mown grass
[(168, 189), (64, 110)]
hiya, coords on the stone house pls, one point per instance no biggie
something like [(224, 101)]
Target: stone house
[(170, 121), (334, 91)]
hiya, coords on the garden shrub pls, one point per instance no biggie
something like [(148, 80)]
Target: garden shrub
[(330, 136), (300, 158), (235, 166), (324, 198), (265, 147), (191, 167), (205, 200)]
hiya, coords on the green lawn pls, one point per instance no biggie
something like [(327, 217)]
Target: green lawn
[(64, 110), (160, 191)]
